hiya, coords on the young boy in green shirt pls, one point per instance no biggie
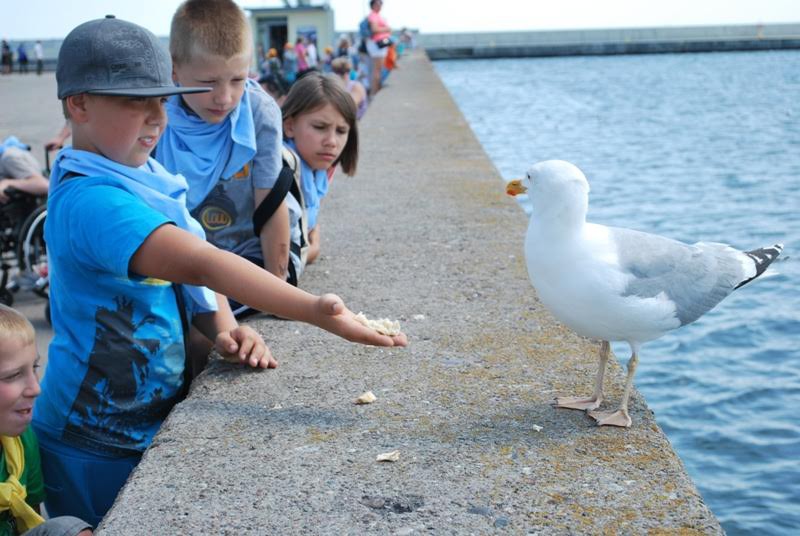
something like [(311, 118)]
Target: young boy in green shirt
[(21, 486)]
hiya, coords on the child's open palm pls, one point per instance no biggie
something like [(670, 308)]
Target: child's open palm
[(340, 320)]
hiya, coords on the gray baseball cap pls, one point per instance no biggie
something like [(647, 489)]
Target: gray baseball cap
[(113, 57)]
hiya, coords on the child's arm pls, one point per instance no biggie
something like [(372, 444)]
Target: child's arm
[(314, 245), (233, 342), (274, 237), (173, 254)]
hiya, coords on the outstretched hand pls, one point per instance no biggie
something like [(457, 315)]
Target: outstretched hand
[(340, 320), (244, 345)]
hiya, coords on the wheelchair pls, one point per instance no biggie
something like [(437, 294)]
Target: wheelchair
[(23, 253)]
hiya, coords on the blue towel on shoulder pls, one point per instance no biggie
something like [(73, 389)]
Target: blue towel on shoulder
[(314, 185), (206, 153), (153, 185)]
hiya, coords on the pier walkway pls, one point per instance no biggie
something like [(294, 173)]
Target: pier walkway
[(424, 234)]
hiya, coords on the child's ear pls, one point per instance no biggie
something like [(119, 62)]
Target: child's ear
[(76, 106), (288, 127)]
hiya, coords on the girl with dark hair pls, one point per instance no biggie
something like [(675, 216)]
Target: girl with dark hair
[(319, 125)]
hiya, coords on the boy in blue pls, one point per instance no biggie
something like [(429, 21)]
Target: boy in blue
[(119, 240), (227, 142)]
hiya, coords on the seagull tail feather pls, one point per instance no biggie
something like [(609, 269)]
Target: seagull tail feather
[(762, 258)]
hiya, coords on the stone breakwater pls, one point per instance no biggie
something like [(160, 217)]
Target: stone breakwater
[(423, 233)]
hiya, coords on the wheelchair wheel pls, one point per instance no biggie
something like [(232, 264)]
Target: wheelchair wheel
[(32, 250), (6, 298)]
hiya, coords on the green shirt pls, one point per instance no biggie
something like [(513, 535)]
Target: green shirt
[(31, 478)]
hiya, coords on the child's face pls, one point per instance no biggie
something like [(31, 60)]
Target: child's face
[(320, 135), (225, 76), (19, 385), (123, 129)]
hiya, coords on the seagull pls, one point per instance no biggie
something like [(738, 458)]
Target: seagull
[(617, 284)]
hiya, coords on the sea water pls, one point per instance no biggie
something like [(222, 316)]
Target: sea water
[(695, 147)]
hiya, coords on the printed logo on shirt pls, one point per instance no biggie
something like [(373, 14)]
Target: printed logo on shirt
[(214, 218), (242, 173), (155, 282)]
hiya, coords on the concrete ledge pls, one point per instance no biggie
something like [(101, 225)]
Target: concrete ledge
[(425, 234)]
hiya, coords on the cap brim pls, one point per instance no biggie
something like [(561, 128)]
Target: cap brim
[(164, 91)]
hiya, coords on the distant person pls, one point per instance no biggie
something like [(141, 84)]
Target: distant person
[(273, 62), (311, 53), (377, 45), (21, 485), (275, 86), (320, 126), (57, 142), (38, 54), (289, 63), (343, 48), (7, 57), (406, 41), (300, 51), (344, 70), (19, 170), (22, 58), (128, 265)]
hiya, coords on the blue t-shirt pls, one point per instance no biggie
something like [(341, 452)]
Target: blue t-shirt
[(115, 365)]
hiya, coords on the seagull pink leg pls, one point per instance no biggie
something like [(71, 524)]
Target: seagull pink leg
[(593, 402), (620, 417)]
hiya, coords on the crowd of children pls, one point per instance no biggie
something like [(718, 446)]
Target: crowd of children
[(365, 59), (187, 195)]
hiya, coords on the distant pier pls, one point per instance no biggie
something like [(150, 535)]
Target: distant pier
[(611, 41)]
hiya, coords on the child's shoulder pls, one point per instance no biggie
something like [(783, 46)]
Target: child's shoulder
[(264, 109), (262, 102)]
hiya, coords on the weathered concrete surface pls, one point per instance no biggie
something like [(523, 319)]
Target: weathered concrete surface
[(425, 234)]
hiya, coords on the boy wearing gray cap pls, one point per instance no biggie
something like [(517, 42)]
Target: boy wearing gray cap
[(130, 270)]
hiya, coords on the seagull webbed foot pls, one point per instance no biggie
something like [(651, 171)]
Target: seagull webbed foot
[(611, 418), (577, 402)]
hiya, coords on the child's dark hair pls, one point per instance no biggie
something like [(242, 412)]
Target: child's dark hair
[(314, 91), (275, 84)]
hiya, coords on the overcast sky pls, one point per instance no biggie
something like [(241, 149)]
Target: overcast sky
[(29, 19)]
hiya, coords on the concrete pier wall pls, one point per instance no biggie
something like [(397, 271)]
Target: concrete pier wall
[(424, 234), (611, 41)]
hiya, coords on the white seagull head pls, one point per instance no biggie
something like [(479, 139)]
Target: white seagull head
[(557, 190)]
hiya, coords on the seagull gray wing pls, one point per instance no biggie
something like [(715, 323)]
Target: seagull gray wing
[(694, 277)]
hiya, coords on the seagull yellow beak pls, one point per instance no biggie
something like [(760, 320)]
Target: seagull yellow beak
[(515, 187)]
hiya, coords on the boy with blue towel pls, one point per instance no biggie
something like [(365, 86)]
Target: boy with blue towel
[(130, 270), (227, 142)]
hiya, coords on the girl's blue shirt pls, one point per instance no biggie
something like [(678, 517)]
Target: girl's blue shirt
[(314, 186)]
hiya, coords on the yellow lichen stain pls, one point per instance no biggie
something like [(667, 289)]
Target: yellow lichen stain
[(315, 435)]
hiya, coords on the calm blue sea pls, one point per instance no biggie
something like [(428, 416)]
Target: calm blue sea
[(693, 147)]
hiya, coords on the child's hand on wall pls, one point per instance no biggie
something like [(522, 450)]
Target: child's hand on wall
[(244, 345)]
